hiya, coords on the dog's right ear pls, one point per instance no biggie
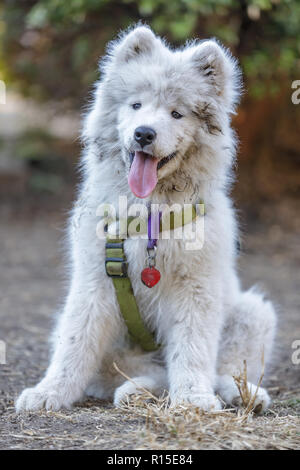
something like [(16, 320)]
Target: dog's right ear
[(138, 42)]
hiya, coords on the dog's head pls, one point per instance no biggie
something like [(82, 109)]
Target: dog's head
[(167, 103)]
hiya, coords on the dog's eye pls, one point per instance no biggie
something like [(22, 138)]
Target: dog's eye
[(176, 115), (137, 105)]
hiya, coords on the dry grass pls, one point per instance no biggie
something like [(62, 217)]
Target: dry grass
[(144, 423), (187, 427), (147, 422), (241, 382)]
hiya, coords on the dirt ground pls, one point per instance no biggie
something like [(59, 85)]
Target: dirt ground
[(31, 278)]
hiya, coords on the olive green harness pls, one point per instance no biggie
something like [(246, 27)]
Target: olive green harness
[(116, 268)]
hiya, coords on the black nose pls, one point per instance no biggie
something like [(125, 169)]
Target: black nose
[(144, 135)]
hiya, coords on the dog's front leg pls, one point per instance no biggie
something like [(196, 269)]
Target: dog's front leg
[(191, 348), (85, 330)]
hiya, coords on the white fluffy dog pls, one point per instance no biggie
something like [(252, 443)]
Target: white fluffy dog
[(166, 114)]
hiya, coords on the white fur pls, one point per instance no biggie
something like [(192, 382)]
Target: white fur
[(206, 324)]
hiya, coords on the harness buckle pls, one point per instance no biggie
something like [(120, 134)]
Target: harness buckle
[(116, 267)]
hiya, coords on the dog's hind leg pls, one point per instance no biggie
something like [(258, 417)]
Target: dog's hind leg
[(145, 370), (248, 335), (154, 381)]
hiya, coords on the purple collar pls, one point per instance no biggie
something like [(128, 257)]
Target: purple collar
[(153, 229)]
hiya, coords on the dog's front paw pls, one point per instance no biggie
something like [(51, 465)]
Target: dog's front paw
[(43, 397), (204, 401)]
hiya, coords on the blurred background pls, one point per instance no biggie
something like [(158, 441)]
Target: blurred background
[(49, 52)]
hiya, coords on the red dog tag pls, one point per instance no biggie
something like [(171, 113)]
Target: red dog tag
[(150, 276)]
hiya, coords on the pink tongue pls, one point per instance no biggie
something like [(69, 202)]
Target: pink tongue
[(142, 177)]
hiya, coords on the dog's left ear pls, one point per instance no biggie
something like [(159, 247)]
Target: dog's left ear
[(219, 69), (137, 43)]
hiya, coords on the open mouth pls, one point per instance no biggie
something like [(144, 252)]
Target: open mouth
[(142, 177)]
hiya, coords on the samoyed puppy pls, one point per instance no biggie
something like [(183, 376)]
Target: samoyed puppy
[(158, 132)]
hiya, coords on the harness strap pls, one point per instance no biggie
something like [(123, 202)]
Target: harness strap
[(116, 268)]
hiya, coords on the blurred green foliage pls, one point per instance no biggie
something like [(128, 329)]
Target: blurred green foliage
[(45, 158), (34, 145), (50, 48)]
